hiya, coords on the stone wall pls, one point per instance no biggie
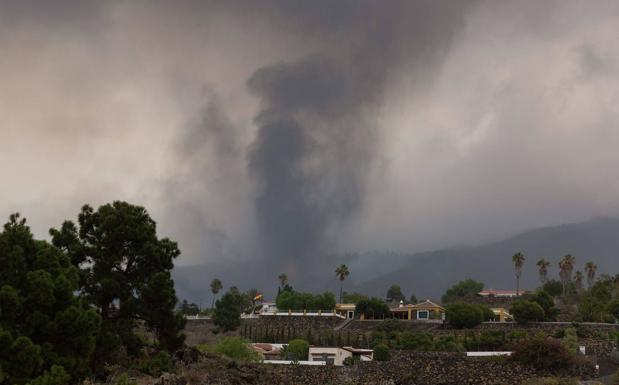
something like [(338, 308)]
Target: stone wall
[(419, 369)]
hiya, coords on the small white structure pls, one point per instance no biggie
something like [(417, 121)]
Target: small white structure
[(268, 307), (336, 356), (487, 354)]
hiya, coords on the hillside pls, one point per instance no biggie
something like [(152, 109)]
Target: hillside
[(427, 274)]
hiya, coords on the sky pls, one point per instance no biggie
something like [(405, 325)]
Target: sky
[(285, 130)]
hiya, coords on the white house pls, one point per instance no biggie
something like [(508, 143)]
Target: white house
[(336, 356)]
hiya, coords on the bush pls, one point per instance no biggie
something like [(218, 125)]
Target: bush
[(547, 303), (297, 350), (381, 353), (543, 353), (527, 311), (237, 349), (614, 357), (124, 379), (491, 340), (447, 344), (350, 361), (464, 315), (415, 341), (159, 363)]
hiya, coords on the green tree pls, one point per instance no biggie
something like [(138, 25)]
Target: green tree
[(613, 309), (566, 266), (381, 352), (283, 282), (464, 315), (527, 311), (297, 350), (342, 273), (227, 313), (542, 268), (578, 278), (126, 276), (518, 260), (413, 299), (353, 297), (395, 294), (590, 269), (373, 308), (47, 333), (546, 301), (216, 287), (463, 290)]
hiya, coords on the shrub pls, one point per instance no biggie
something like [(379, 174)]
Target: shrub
[(527, 311), (547, 303), (415, 341), (297, 350), (350, 361), (487, 340), (613, 309), (447, 344), (464, 315), (570, 340), (381, 353), (237, 349), (124, 379), (159, 363), (543, 353), (614, 357), (390, 328)]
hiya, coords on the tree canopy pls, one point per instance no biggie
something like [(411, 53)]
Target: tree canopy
[(45, 329), (125, 275), (463, 290)]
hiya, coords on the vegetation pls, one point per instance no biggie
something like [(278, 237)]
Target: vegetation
[(544, 299), (464, 315), (542, 267), (125, 275), (381, 352), (294, 300), (518, 260), (216, 286), (237, 349), (566, 266), (527, 311), (45, 329), (372, 308), (543, 353), (228, 309), (462, 291), (342, 273), (72, 306), (395, 294), (297, 350)]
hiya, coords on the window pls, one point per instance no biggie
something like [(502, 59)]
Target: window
[(423, 314), (351, 314)]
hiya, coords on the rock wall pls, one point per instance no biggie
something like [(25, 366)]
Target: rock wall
[(419, 369)]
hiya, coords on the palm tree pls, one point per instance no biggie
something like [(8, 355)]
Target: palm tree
[(578, 277), (283, 281), (518, 260), (216, 286), (567, 266), (590, 269), (342, 272), (542, 266)]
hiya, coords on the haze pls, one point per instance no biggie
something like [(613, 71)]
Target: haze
[(287, 130)]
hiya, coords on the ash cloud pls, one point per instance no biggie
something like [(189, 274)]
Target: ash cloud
[(282, 131)]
